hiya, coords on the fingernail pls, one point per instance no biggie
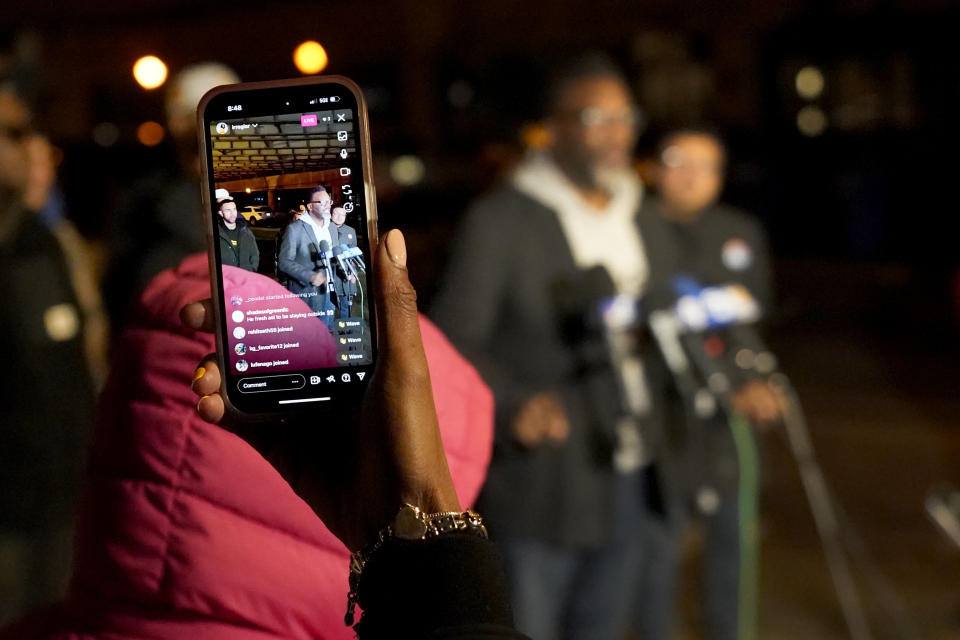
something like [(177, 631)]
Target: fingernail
[(396, 247), (198, 373)]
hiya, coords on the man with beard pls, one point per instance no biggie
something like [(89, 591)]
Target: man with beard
[(571, 494), (238, 247), (301, 259)]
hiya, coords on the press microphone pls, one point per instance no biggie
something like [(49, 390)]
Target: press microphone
[(338, 253), (355, 256), (579, 299), (716, 307), (344, 256), (709, 355), (324, 248), (752, 353), (711, 328), (354, 253), (666, 332)]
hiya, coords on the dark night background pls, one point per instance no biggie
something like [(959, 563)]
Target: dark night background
[(862, 217)]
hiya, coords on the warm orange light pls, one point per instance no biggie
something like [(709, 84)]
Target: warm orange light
[(150, 72), (310, 57), (247, 189), (150, 133)]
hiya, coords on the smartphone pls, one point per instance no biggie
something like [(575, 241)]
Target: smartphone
[(290, 215)]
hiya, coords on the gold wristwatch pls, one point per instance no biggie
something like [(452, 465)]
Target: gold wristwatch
[(411, 523)]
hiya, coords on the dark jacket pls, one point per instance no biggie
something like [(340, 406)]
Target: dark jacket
[(245, 253), (705, 249), (296, 259), (348, 235), (504, 304), (46, 392), (341, 282)]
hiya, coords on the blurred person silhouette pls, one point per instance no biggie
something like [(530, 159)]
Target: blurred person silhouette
[(690, 233), (159, 220), (573, 496), (43, 195), (46, 386), (238, 247)]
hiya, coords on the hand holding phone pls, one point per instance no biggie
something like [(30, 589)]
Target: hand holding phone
[(295, 332), (382, 454)]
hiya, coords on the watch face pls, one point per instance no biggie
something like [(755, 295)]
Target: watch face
[(408, 524)]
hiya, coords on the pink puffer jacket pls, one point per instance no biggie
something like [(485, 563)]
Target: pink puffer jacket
[(185, 530)]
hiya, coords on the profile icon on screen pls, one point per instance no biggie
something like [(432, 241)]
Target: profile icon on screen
[(242, 365), (222, 128), (240, 349)]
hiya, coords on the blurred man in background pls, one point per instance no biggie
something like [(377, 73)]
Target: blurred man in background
[(238, 247), (348, 234), (688, 233), (571, 493), (45, 386), (161, 219)]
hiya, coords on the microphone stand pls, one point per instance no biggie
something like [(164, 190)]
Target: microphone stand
[(689, 364)]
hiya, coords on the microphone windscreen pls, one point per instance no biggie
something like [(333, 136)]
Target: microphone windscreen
[(324, 246)]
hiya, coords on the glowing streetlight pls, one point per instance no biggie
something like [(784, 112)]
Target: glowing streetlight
[(310, 57), (150, 72), (407, 170), (809, 83), (811, 121), (150, 133)]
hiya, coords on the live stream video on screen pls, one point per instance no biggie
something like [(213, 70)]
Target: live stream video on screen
[(292, 241)]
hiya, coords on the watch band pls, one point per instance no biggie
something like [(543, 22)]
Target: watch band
[(411, 523)]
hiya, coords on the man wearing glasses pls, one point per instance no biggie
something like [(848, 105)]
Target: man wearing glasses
[(302, 259), (572, 487)]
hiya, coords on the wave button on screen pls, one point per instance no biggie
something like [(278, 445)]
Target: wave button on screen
[(261, 384)]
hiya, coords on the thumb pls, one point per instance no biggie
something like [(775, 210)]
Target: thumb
[(400, 339)]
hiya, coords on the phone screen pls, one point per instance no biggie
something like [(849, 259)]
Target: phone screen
[(291, 217)]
